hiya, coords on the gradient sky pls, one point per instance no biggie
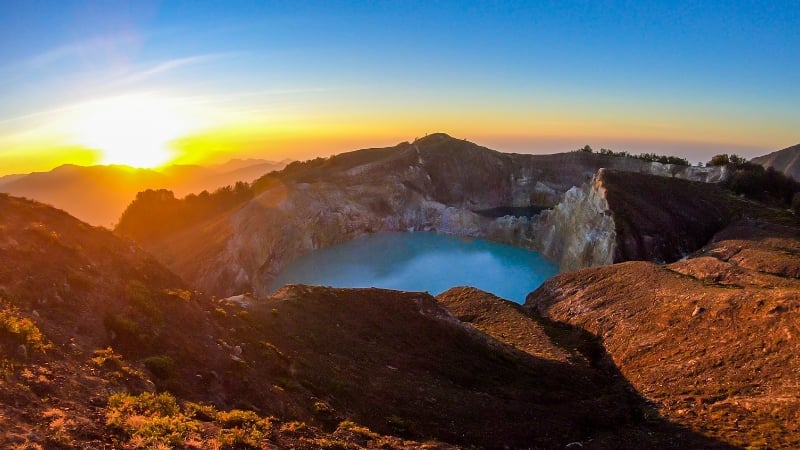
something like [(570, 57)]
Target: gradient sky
[(299, 79)]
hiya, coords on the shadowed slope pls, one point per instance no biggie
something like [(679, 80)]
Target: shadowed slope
[(399, 362)]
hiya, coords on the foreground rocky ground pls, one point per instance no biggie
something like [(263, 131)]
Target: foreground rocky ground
[(102, 347)]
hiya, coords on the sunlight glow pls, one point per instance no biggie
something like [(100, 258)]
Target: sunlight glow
[(134, 130)]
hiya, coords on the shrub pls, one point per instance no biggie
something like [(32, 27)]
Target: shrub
[(136, 293), (755, 182), (161, 366), (107, 358), (21, 330), (151, 419), (719, 160), (124, 327)]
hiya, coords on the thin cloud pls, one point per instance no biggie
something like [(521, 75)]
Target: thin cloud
[(237, 96), (73, 50), (167, 66)]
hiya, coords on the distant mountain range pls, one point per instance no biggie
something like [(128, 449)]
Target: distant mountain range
[(786, 161), (99, 194)]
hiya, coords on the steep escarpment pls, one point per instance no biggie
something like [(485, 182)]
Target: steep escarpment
[(662, 219), (623, 216), (580, 231), (711, 340), (434, 184)]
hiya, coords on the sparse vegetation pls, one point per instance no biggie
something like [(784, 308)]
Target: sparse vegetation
[(755, 182), (161, 366), (137, 294), (18, 330), (151, 420)]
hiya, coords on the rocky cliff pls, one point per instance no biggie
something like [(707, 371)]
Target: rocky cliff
[(622, 216), (580, 231), (434, 184)]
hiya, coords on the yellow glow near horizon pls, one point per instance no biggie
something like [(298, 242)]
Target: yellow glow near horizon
[(133, 130)]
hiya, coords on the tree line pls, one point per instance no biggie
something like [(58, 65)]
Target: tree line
[(157, 212), (650, 157), (756, 182)]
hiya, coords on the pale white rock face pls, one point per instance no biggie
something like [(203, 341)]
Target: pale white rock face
[(579, 232), (713, 174)]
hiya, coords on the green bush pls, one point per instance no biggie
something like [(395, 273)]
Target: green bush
[(137, 294), (161, 366)]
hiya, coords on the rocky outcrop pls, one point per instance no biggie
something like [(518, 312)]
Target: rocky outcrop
[(580, 231), (623, 216)]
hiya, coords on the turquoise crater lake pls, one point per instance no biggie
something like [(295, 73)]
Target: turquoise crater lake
[(422, 262)]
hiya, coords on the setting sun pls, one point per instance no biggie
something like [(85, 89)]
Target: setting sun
[(131, 130)]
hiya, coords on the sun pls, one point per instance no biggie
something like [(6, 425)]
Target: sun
[(134, 130)]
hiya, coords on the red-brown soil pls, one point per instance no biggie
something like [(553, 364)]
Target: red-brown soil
[(712, 340)]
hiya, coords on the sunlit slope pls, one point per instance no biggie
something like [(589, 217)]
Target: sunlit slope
[(786, 161), (712, 340)]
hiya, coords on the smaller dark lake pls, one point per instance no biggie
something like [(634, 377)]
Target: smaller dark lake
[(422, 262)]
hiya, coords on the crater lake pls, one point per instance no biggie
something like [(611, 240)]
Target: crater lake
[(421, 261)]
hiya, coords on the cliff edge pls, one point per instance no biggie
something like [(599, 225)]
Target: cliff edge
[(623, 216)]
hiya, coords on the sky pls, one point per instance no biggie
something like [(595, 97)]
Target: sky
[(151, 82)]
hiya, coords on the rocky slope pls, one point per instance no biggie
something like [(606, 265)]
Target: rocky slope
[(786, 161), (710, 340), (90, 325), (434, 184), (102, 347)]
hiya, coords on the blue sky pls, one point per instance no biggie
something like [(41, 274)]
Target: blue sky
[(297, 79)]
